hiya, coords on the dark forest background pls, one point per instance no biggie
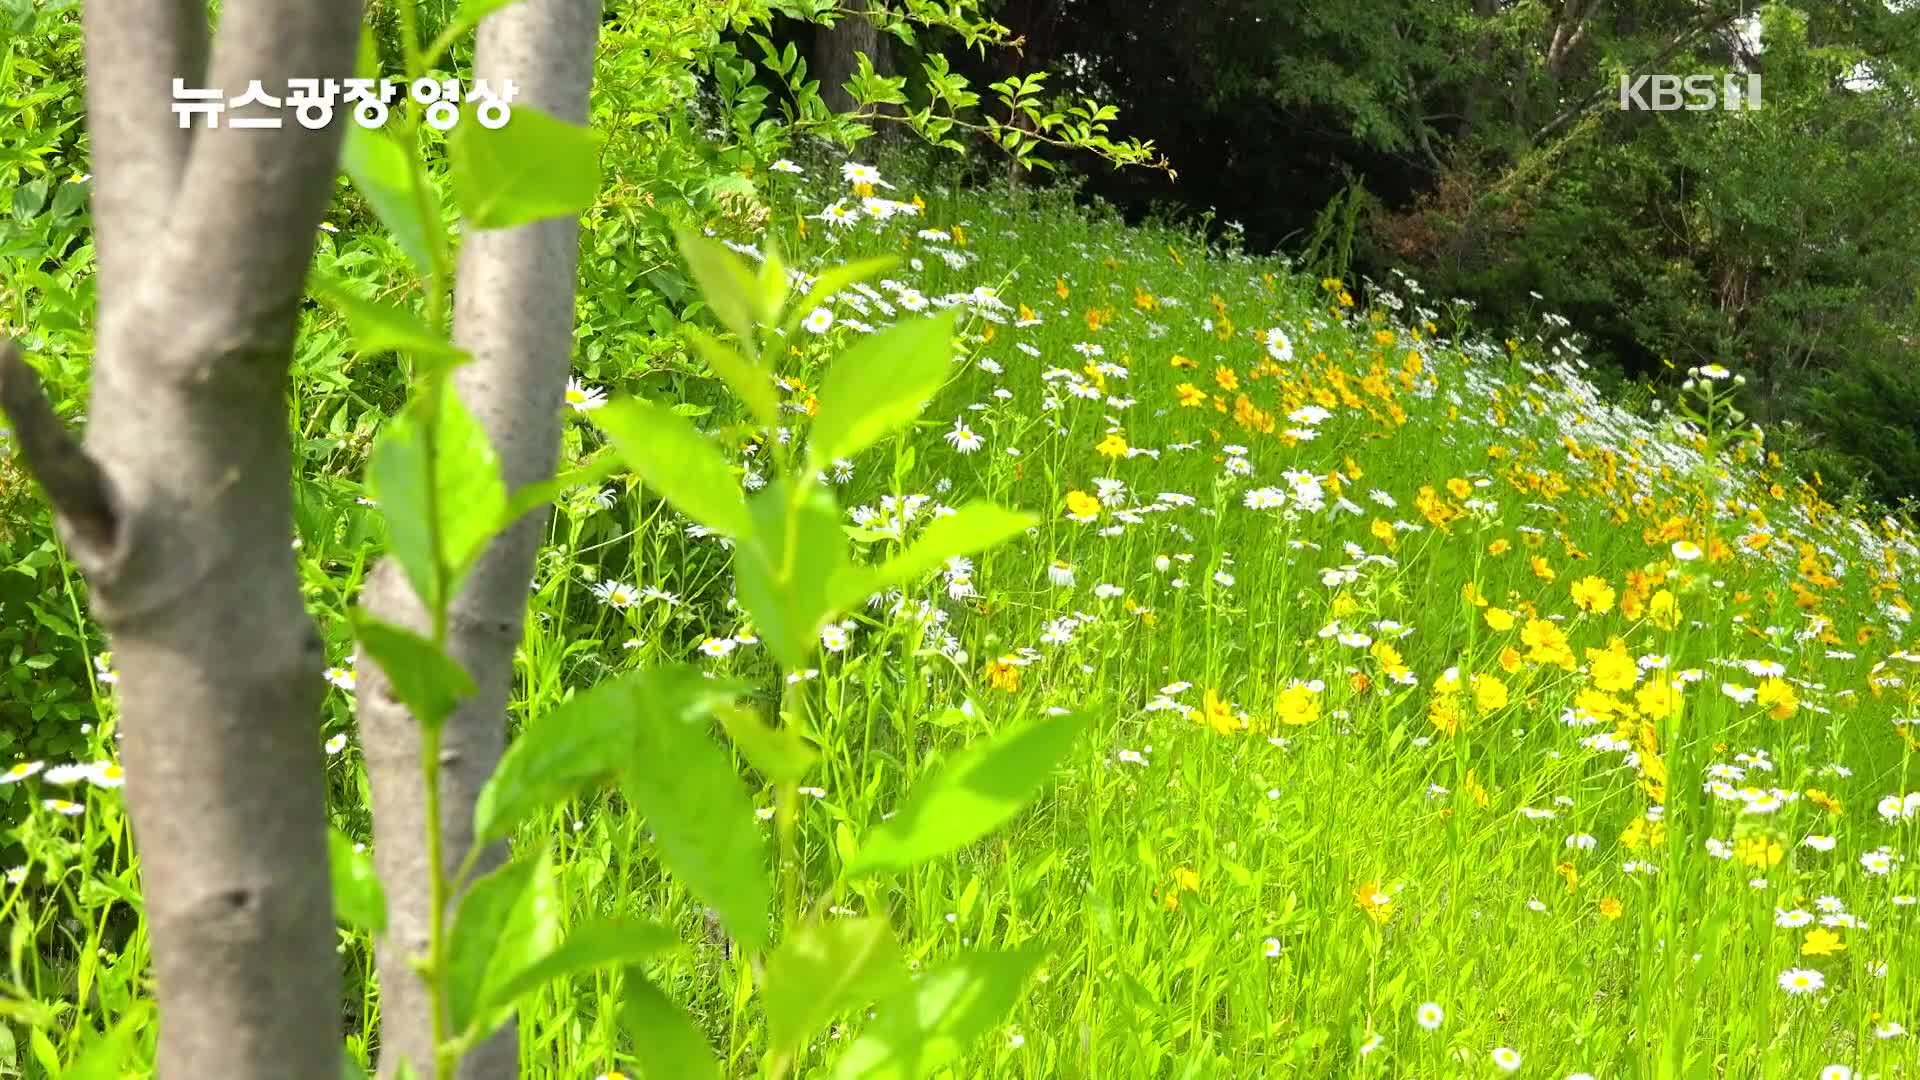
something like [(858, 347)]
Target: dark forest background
[(1480, 147)]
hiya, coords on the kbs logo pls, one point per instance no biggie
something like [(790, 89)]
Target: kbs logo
[(1694, 93)]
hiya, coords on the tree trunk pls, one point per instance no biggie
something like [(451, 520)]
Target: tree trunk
[(178, 510), (513, 310), (836, 55)]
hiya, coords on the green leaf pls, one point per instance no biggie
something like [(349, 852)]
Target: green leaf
[(726, 284), (587, 948), (746, 378), (824, 969), (832, 280), (685, 785), (674, 459), (106, 1057), (379, 328), (793, 572), (358, 899), (672, 1047), (778, 752), (531, 168), (350, 1067), (427, 681), (380, 168), (504, 925), (974, 527), (879, 385), (980, 790), (588, 738), (472, 11), (771, 295), (929, 1026), (470, 496)]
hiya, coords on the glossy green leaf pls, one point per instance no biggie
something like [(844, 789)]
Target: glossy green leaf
[(671, 1046), (381, 170), (505, 924), (529, 169), (793, 573), (587, 739), (379, 328), (358, 899), (778, 752), (746, 378), (879, 385), (673, 458), (588, 948), (726, 283), (824, 969), (975, 793), (463, 478), (685, 785), (427, 681), (976, 526), (927, 1027)]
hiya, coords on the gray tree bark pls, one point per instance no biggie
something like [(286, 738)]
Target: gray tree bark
[(178, 511), (836, 51), (513, 310)]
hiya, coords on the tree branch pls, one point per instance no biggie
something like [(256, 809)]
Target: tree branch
[(133, 53), (72, 480)]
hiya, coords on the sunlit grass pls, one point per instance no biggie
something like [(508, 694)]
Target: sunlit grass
[(1446, 715)]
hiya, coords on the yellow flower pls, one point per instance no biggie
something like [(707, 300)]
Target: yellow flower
[(1191, 395), (1375, 902), (1082, 505), (1569, 872), (1298, 705), (1218, 715), (1664, 610), (1113, 446), (1500, 619), (1002, 675), (1821, 941), (1226, 378), (1547, 644), (1499, 547), (1658, 700), (1593, 594), (1541, 569), (1759, 850), (1612, 668), (1778, 697), (1489, 693), (1186, 880), (1610, 907), (1382, 530), (1460, 488)]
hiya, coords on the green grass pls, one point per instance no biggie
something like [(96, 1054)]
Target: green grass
[(1209, 893)]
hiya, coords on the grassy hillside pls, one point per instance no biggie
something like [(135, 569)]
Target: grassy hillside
[(1446, 716)]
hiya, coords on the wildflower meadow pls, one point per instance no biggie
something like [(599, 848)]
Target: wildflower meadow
[(1346, 692)]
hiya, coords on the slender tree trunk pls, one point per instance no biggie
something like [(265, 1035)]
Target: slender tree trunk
[(178, 510), (836, 55), (513, 310)]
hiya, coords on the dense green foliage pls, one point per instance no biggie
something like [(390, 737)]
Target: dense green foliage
[(1500, 169)]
